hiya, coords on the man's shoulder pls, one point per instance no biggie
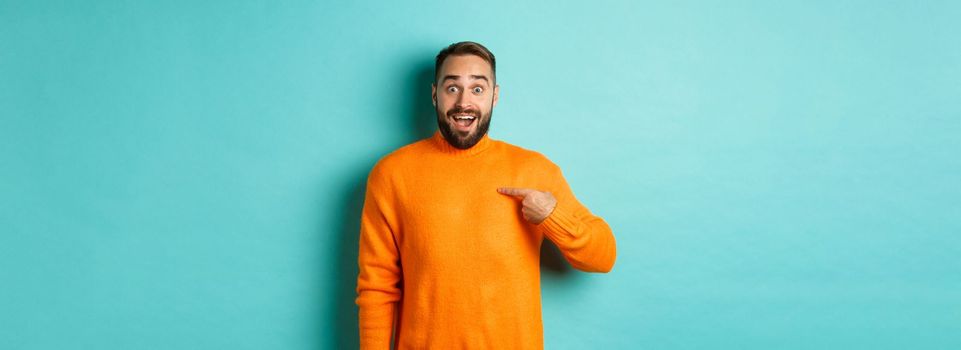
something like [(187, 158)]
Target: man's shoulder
[(395, 160), (526, 157), (405, 153)]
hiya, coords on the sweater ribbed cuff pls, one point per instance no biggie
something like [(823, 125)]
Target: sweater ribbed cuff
[(560, 226)]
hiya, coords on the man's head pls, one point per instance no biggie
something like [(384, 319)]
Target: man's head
[(464, 92)]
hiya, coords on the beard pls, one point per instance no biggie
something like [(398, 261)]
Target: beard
[(465, 142)]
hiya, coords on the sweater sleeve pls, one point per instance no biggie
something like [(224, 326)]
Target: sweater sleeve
[(585, 240), (379, 279)]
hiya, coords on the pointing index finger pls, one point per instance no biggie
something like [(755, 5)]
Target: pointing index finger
[(515, 191)]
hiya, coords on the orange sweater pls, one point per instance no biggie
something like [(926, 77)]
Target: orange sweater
[(450, 262)]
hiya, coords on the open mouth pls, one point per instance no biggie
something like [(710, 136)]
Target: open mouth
[(464, 121)]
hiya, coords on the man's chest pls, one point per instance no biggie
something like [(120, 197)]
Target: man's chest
[(457, 210)]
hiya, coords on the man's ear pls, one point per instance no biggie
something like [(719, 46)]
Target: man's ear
[(433, 93), (497, 91)]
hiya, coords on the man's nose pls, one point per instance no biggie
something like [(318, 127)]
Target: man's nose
[(461, 100)]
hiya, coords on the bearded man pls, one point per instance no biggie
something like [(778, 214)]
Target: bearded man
[(452, 227)]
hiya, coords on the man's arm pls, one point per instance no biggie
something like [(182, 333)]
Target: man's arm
[(585, 240), (378, 283)]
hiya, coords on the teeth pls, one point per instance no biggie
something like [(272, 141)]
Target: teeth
[(463, 117)]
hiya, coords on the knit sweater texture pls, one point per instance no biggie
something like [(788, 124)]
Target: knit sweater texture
[(447, 262)]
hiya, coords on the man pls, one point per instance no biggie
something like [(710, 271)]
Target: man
[(452, 227)]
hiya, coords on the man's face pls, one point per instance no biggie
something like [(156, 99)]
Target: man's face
[(464, 95)]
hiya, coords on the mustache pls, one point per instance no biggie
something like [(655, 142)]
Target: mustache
[(457, 110)]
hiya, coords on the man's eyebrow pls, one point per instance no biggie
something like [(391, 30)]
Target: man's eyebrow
[(480, 77), (455, 77)]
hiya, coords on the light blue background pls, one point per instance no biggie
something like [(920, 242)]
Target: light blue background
[(189, 175)]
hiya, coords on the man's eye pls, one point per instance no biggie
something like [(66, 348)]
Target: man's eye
[(452, 89), (478, 90)]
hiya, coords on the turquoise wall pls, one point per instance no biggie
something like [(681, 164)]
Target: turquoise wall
[(189, 175)]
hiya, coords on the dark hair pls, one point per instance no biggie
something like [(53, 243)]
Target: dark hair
[(465, 48)]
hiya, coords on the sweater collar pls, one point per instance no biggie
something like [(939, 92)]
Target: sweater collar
[(441, 144)]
